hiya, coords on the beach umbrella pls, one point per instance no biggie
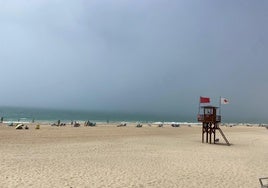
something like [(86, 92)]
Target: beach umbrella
[(19, 126)]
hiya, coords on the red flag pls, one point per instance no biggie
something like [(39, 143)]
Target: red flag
[(204, 100), (224, 101)]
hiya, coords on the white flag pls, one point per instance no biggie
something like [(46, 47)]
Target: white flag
[(224, 101)]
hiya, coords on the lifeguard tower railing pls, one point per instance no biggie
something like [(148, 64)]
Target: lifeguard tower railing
[(208, 118)]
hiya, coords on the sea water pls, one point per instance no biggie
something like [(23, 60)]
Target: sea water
[(27, 115)]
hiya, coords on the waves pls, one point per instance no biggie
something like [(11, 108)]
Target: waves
[(28, 115)]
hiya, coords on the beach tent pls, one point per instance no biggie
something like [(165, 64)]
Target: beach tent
[(19, 126)]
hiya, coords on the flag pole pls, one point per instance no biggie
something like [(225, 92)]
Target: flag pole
[(199, 105), (220, 107)]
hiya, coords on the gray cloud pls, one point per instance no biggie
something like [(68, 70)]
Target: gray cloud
[(147, 56)]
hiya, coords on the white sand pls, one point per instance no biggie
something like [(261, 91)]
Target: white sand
[(113, 156)]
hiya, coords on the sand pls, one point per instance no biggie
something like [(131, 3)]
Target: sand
[(110, 156)]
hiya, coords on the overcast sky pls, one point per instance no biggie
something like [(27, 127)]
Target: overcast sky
[(148, 56)]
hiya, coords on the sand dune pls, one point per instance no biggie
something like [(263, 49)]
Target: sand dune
[(110, 156)]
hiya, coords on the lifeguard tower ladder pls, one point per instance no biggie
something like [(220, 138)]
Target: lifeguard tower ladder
[(210, 123)]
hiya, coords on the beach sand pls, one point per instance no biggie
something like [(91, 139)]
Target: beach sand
[(110, 156)]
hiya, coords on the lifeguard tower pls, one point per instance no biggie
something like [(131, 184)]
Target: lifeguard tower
[(210, 123)]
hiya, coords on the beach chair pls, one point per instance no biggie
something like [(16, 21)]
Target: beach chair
[(264, 182), (19, 126), (139, 125)]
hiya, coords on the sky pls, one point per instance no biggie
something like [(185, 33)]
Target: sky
[(152, 56)]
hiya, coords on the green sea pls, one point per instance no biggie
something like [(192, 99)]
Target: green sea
[(26, 115), (45, 115)]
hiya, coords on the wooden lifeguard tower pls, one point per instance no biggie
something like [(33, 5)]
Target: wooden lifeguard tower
[(210, 123)]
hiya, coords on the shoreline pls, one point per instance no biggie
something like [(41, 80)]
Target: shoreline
[(42, 115), (81, 122)]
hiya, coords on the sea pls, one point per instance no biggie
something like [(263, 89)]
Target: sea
[(44, 115), (49, 116)]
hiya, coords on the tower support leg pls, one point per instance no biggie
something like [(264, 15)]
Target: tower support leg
[(203, 131)]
